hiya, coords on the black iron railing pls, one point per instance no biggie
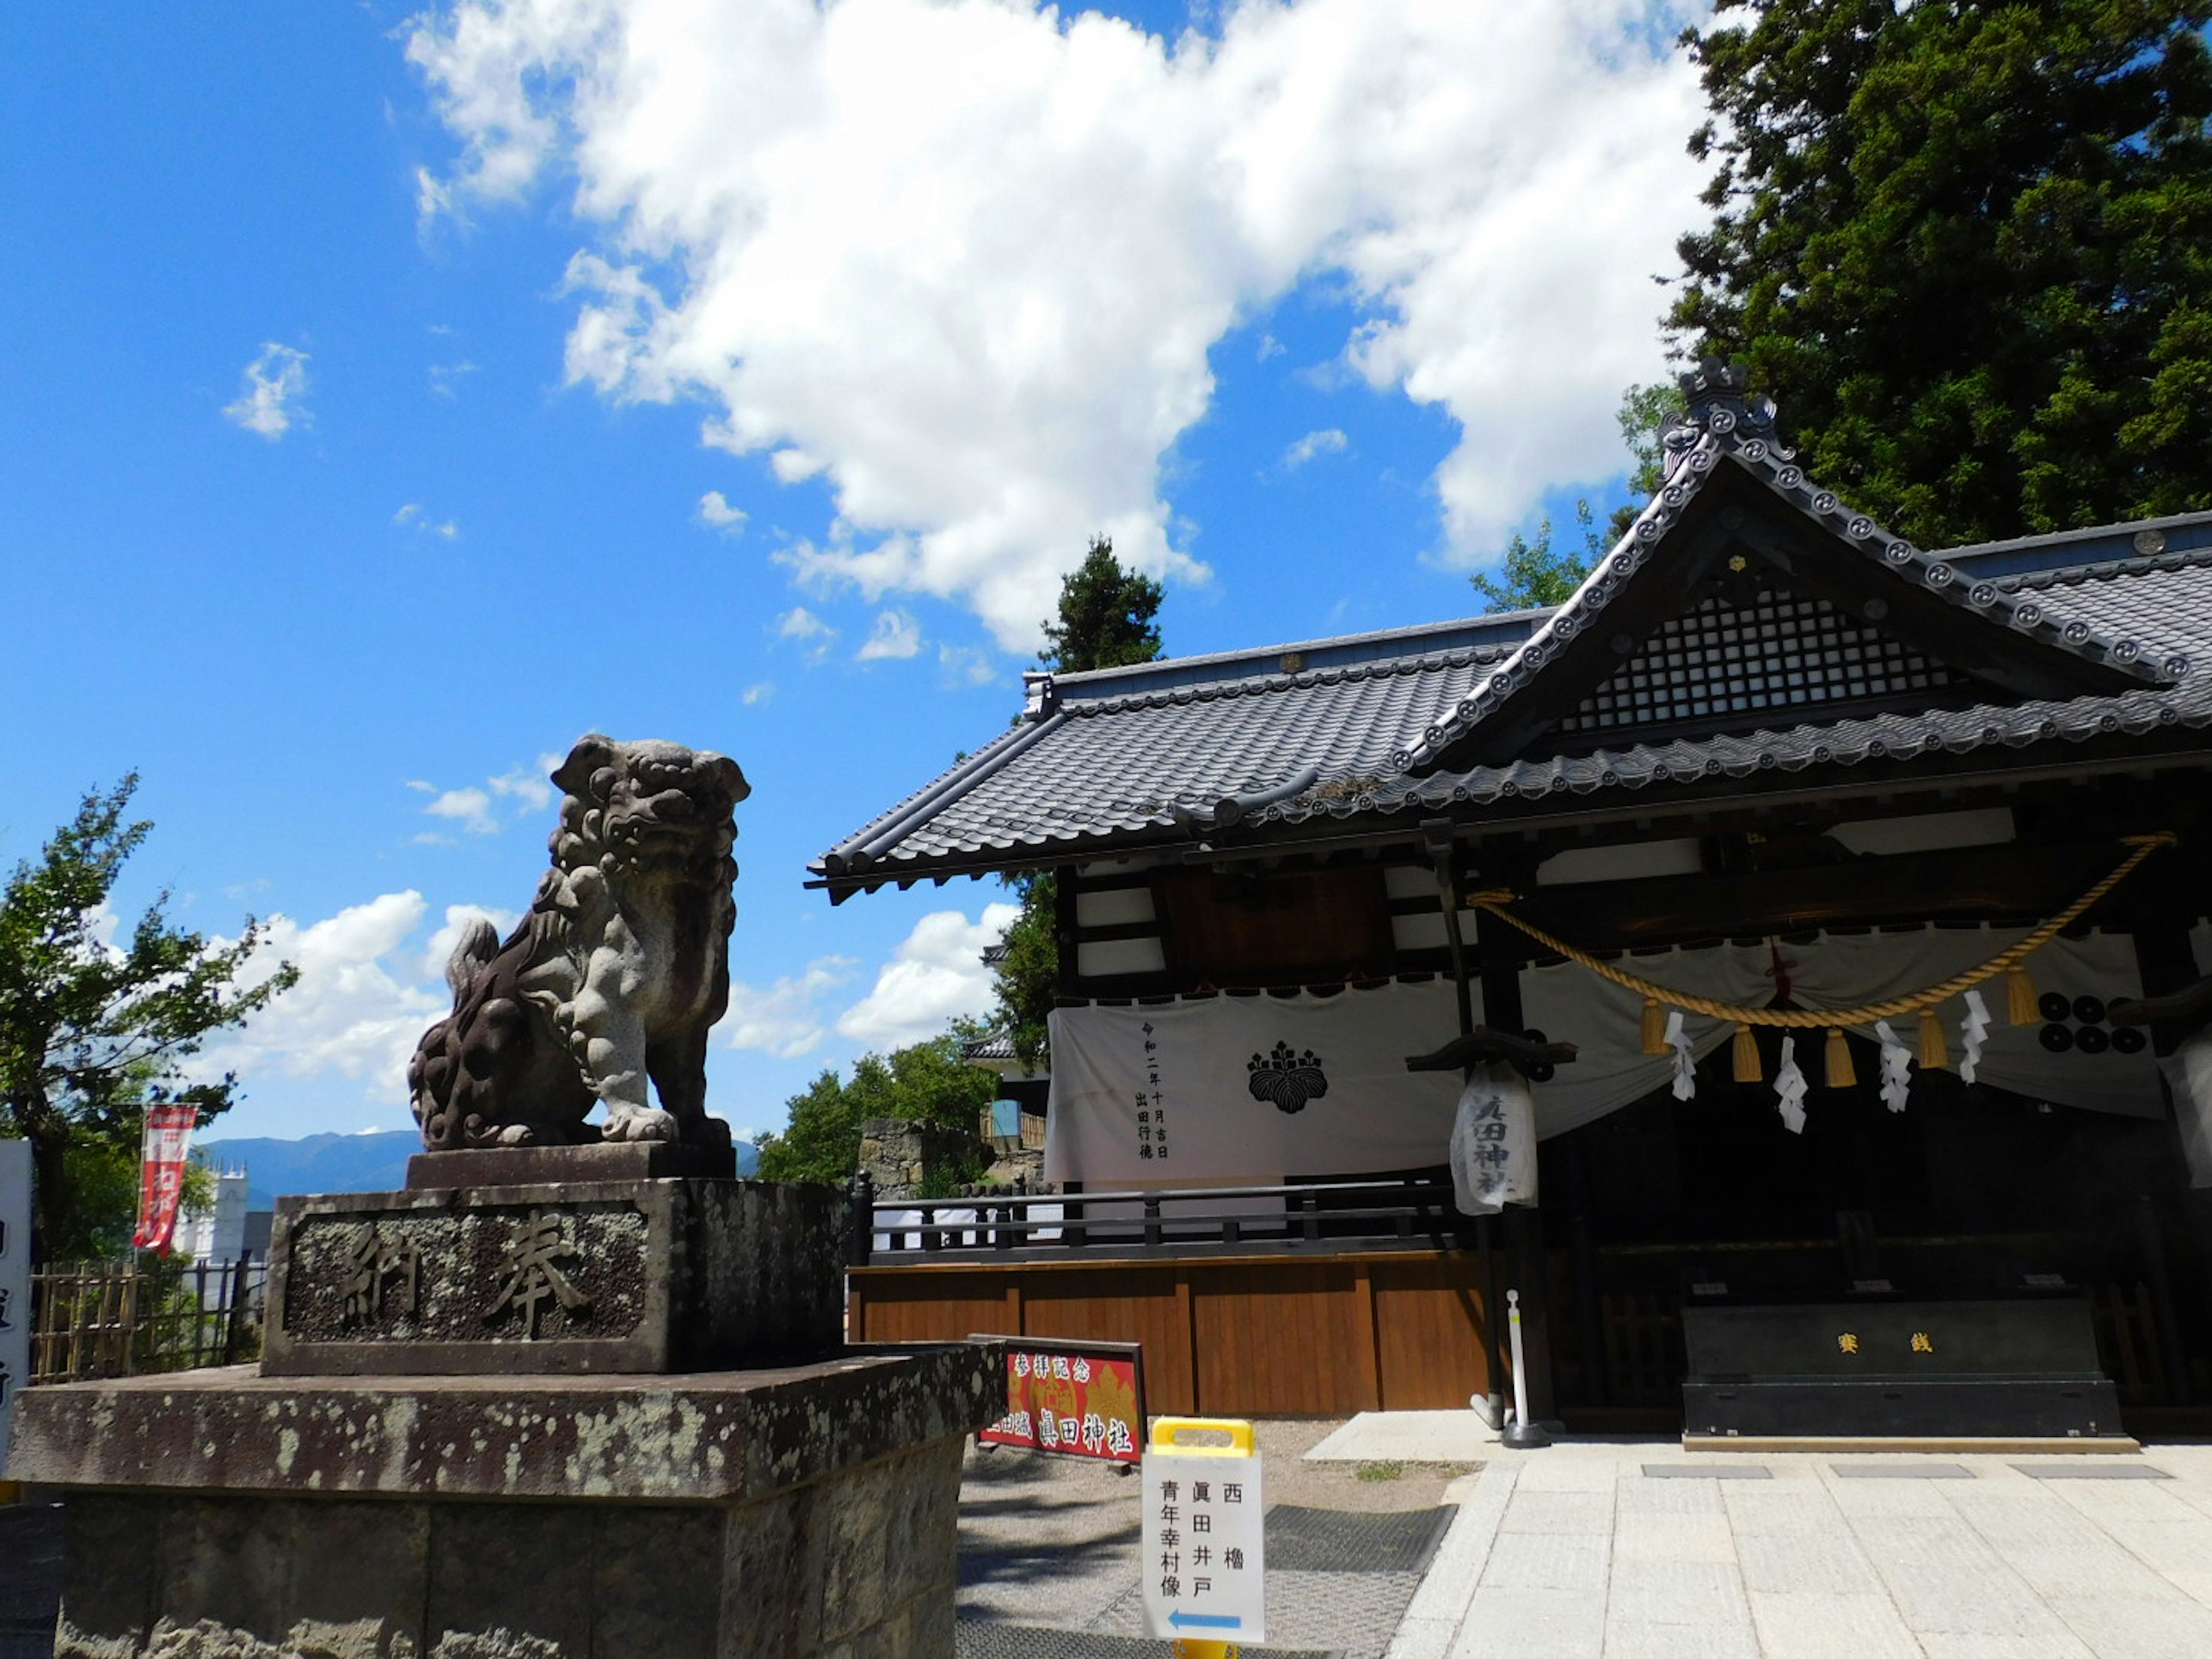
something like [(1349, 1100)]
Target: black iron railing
[(1335, 1216)]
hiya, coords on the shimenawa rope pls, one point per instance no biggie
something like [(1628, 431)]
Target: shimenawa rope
[(2008, 961)]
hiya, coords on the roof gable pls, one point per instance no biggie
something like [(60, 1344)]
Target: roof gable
[(1740, 590)]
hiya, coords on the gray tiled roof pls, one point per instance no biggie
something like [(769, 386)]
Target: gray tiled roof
[(1123, 758), (1730, 430), (993, 1046)]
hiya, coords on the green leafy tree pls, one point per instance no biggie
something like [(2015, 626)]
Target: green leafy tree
[(1644, 409), (1967, 248), (1533, 573), (91, 1033), (926, 1084), (1103, 620)]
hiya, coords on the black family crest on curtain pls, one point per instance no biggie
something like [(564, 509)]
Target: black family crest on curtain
[(1286, 1077)]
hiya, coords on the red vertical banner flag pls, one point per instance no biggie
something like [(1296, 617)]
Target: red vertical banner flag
[(161, 1174)]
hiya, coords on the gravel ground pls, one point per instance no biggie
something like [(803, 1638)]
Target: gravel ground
[(1052, 1541)]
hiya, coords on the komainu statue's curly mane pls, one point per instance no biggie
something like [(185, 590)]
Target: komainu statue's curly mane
[(613, 978)]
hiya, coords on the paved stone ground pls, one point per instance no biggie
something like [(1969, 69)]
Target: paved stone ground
[(1048, 1546), (1621, 1550)]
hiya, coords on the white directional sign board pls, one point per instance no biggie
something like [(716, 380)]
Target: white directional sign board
[(14, 1278), (1205, 1554)]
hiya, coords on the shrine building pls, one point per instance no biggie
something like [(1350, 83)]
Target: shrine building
[(1841, 903)]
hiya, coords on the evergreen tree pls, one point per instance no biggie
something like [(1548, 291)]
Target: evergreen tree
[(1967, 248), (1103, 620), (91, 1034)]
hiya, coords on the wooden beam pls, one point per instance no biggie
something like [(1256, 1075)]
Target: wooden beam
[(1970, 884)]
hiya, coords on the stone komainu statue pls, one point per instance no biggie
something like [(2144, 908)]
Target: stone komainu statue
[(614, 975)]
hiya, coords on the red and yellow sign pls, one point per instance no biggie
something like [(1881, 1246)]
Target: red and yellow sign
[(1079, 1400)]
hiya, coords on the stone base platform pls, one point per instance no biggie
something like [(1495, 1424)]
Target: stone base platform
[(602, 1160), (644, 1274), (788, 1513)]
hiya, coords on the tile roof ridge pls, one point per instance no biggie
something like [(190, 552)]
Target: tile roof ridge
[(1258, 656), (1466, 656), (2073, 575), (1850, 740)]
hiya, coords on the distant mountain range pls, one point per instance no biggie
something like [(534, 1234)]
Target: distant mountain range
[(373, 1163)]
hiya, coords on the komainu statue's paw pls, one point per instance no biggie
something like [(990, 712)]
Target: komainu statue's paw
[(639, 1123)]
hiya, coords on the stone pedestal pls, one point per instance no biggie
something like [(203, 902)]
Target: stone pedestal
[(565, 1403), (767, 1513), (576, 1276)]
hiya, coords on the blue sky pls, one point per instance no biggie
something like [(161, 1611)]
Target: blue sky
[(398, 396)]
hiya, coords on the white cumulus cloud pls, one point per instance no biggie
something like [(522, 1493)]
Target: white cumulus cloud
[(477, 808), (965, 259), (469, 808), (896, 635), (357, 1010), (270, 391), (459, 917), (781, 1020), (967, 665), (714, 509), (935, 974), (1328, 441), (806, 629)]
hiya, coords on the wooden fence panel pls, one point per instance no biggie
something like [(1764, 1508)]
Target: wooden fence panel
[(1428, 1330), (107, 1319), (1097, 1304), (1288, 1335), (1276, 1338)]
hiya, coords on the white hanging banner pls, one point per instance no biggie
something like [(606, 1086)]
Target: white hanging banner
[(1493, 1143), (1231, 1089)]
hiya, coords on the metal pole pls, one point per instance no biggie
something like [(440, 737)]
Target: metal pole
[(1520, 1434)]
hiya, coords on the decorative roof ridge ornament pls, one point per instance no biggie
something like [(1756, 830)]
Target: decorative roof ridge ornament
[(1717, 401)]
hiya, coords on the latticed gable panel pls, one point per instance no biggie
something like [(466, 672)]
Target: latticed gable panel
[(1720, 662)]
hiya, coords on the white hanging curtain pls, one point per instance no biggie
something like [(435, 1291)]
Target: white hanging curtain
[(1570, 1004), (1234, 1090)]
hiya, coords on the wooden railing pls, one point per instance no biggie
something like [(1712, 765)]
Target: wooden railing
[(1333, 1217), (103, 1319)]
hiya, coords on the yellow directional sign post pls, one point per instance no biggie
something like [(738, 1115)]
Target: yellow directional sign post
[(1204, 1563)]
